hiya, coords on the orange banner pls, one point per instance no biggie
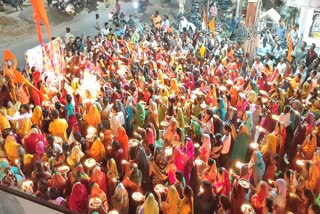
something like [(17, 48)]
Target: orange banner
[(211, 25), (40, 14)]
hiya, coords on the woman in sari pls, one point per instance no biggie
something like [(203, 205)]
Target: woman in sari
[(150, 205), (205, 149), (138, 116), (241, 144), (78, 199), (269, 147), (75, 157), (186, 205), (223, 185), (241, 105), (120, 199), (308, 147), (211, 98), (97, 150), (123, 139), (168, 135), (11, 145), (180, 118), (190, 157), (99, 178), (259, 197), (97, 192), (173, 86), (210, 174), (221, 109), (163, 104), (129, 115), (93, 117), (172, 203), (257, 167), (70, 113), (36, 117)]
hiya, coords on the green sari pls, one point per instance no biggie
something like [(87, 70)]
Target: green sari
[(241, 146), (180, 118), (139, 116)]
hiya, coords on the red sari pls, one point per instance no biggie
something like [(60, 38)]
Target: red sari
[(78, 199), (100, 178), (123, 139)]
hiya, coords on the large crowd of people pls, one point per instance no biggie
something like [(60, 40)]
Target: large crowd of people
[(160, 120)]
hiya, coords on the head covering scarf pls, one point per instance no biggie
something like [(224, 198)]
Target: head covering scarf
[(205, 148), (249, 122), (179, 159), (139, 116), (180, 118), (96, 191), (222, 110), (93, 117), (78, 199), (173, 200), (99, 178), (190, 149), (37, 116), (97, 150), (123, 139), (75, 157), (150, 205), (120, 199)]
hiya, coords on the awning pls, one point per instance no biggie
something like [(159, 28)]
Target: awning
[(271, 14)]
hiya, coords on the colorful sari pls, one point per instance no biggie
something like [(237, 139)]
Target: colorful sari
[(150, 205), (97, 150), (257, 167), (180, 118), (205, 148), (36, 117), (78, 199), (75, 157), (309, 146), (11, 148), (123, 139), (171, 205), (241, 145), (96, 191), (100, 178), (120, 199), (269, 147), (139, 116), (93, 118), (58, 127)]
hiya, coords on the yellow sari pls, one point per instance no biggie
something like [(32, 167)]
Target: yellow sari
[(309, 146), (269, 144), (97, 150), (93, 118), (4, 122), (36, 117), (58, 128), (11, 148)]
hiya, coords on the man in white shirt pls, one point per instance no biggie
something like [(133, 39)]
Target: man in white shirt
[(68, 35), (226, 144)]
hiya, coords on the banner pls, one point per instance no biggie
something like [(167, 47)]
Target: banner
[(47, 58)]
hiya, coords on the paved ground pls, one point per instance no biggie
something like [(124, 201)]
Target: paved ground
[(18, 31)]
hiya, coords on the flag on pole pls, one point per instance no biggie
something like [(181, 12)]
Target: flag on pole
[(204, 18), (290, 47), (40, 14), (211, 25), (15, 76), (7, 55)]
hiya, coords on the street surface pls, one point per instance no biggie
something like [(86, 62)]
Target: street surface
[(18, 31)]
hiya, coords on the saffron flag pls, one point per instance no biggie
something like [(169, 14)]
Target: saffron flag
[(211, 25), (40, 14), (15, 76), (290, 48), (204, 18), (7, 55)]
